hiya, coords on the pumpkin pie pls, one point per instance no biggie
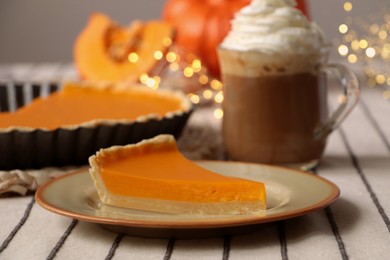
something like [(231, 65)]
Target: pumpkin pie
[(70, 125), (153, 175)]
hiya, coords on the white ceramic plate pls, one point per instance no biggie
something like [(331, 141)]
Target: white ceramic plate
[(290, 193)]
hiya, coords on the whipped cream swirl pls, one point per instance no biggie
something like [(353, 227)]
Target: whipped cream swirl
[(273, 27)]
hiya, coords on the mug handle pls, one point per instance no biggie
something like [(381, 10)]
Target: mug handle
[(347, 100)]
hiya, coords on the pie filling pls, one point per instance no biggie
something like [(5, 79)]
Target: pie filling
[(80, 104)]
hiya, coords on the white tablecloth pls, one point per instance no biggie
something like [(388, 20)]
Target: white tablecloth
[(356, 226)]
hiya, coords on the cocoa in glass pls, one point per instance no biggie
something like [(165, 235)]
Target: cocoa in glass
[(276, 109)]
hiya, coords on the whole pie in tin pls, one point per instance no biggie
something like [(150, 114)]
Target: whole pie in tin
[(70, 125)]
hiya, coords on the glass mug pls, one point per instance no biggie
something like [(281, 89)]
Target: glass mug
[(275, 107)]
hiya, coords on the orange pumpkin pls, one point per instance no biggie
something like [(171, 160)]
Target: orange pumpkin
[(107, 51), (201, 25)]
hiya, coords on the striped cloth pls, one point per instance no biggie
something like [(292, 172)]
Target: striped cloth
[(356, 226)]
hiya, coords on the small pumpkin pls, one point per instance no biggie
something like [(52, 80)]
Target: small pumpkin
[(106, 51), (202, 25)]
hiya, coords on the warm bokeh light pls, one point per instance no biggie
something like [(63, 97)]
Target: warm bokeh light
[(216, 84), (133, 57), (370, 52), (343, 28), (207, 94), (194, 98), (347, 6), (143, 78), (151, 83), (363, 43), (386, 48), (382, 35), (196, 65), (355, 45), (167, 42), (174, 66), (188, 72), (380, 79), (203, 79), (171, 56), (218, 113), (352, 58), (219, 97), (158, 55), (343, 50), (374, 28)]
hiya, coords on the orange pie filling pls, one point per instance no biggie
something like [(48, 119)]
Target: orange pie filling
[(81, 104), (153, 175)]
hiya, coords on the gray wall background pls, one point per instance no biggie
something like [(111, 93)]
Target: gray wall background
[(44, 30)]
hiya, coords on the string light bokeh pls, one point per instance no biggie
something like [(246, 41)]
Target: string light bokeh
[(366, 41), (177, 69)]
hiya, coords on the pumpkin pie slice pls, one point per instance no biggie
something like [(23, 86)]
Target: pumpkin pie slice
[(153, 175)]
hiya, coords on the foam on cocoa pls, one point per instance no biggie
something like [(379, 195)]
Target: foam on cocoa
[(271, 37), (256, 64)]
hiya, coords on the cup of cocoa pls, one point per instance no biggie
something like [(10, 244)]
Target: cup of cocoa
[(275, 72)]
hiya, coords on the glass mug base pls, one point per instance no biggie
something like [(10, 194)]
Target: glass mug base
[(305, 166), (308, 166)]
